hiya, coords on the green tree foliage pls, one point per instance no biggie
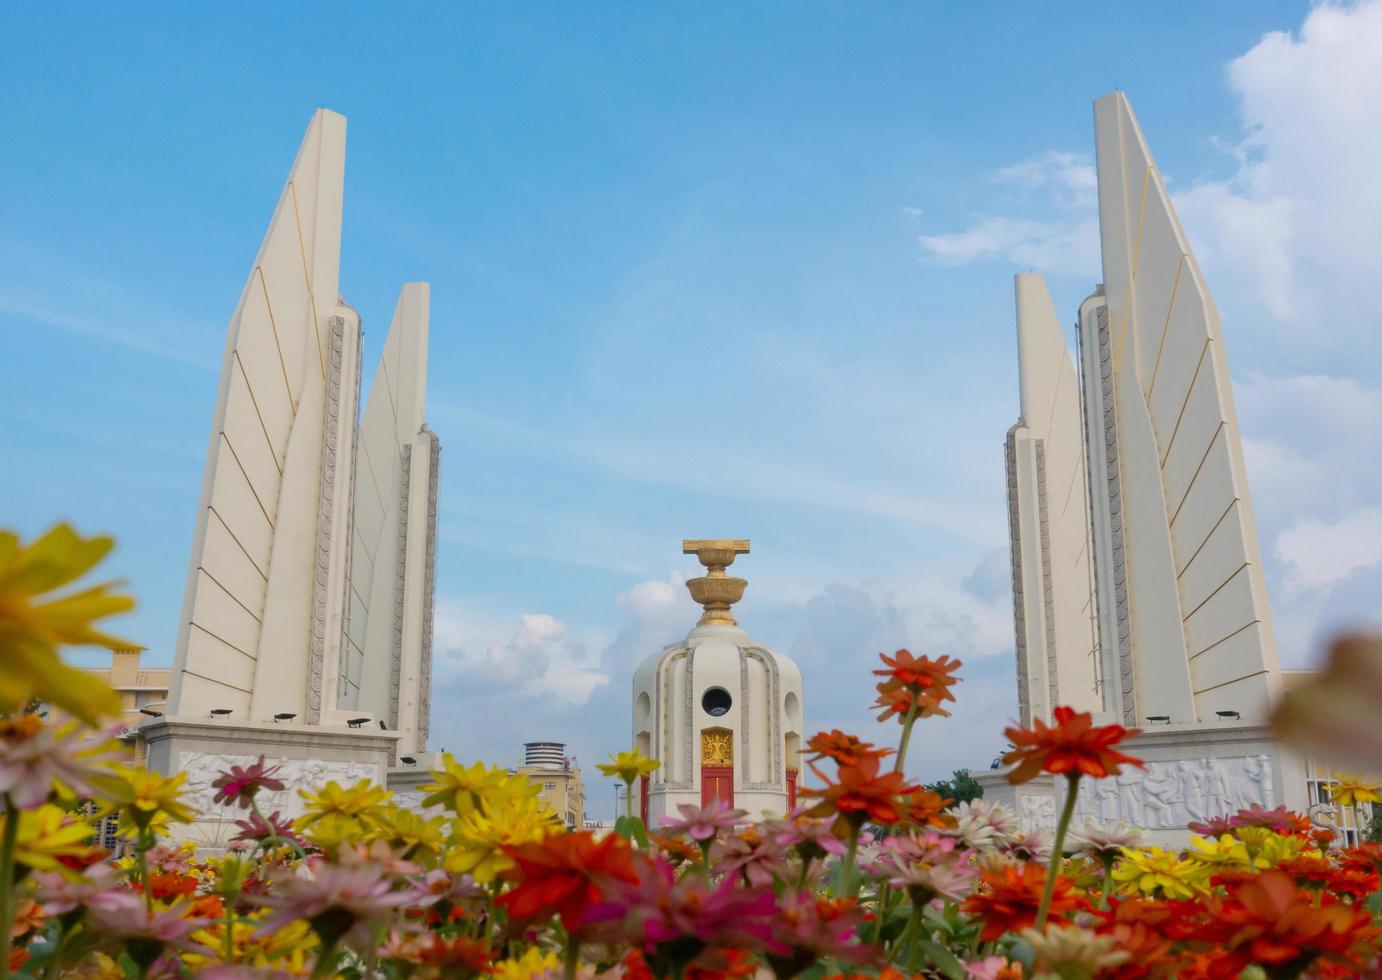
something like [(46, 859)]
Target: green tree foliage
[(961, 787)]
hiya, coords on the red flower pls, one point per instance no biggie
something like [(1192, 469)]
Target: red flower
[(861, 794), (1008, 898), (1272, 922), (843, 748), (563, 874), (1073, 745)]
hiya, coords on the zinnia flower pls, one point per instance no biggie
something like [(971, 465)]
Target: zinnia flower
[(811, 928), (143, 795), (920, 675), (34, 622), (240, 784), (704, 824), (842, 747), (1104, 841), (1352, 790), (1073, 951), (338, 901), (983, 825), (628, 766), (861, 794), (1008, 898), (38, 759), (1333, 717), (564, 874), (926, 866), (1072, 746)]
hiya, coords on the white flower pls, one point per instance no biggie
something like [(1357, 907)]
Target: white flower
[(1104, 841), (982, 825)]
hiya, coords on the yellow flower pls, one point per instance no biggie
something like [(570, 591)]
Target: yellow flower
[(34, 623), (628, 766), (1352, 790), (287, 949), (463, 790), (534, 962), (1216, 855), (417, 838), (479, 838), (1152, 870), (357, 802), (49, 833), (147, 799), (1274, 848)]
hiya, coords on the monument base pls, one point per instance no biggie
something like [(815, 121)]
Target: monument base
[(309, 757), (1193, 772)]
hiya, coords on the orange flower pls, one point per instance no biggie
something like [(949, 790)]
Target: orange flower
[(563, 874), (676, 849), (1008, 898), (843, 748), (1272, 922), (1073, 745), (920, 675), (925, 807), (898, 702), (861, 794)]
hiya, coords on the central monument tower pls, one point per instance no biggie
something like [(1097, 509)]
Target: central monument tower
[(721, 712)]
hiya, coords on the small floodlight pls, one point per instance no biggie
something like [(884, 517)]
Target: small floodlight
[(1160, 719), (356, 722), (383, 726), (1228, 714), (151, 712), (407, 760), (220, 712), (284, 716)]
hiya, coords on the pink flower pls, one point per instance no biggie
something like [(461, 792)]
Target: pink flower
[(677, 920), (241, 783), (704, 824), (98, 888), (336, 900), (37, 759), (928, 866), (145, 935), (1214, 827), (812, 927), (758, 859), (257, 828), (809, 837), (1258, 816)]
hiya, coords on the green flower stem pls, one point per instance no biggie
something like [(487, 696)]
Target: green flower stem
[(907, 722), (573, 957), (885, 894), (628, 798), (7, 847), (326, 962), (907, 941), (142, 848), (1108, 882), (847, 886), (1053, 869)]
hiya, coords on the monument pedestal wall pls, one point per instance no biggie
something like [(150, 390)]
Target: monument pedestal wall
[(1193, 772), (310, 756)]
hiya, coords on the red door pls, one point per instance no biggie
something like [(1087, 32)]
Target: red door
[(791, 789), (717, 781), (643, 799)]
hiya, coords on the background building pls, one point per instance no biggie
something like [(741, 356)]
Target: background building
[(138, 686), (558, 779)]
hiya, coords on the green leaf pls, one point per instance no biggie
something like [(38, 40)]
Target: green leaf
[(947, 962)]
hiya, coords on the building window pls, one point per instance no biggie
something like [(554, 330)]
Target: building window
[(716, 702), (1352, 824), (549, 785)]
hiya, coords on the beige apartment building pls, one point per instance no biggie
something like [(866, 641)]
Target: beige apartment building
[(558, 780), (143, 690)]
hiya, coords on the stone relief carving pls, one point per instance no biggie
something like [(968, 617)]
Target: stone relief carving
[(1037, 811), (202, 769), (1170, 794)]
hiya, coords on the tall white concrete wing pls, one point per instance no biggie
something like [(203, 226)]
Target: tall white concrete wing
[(1201, 630), (1053, 601), (260, 565), (386, 654)]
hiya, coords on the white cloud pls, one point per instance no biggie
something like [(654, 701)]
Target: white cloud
[(1052, 246), (1070, 176), (1319, 554), (536, 657)]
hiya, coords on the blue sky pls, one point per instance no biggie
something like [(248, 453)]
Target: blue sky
[(710, 269)]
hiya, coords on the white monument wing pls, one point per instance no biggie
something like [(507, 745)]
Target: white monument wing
[(1202, 637), (263, 470)]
